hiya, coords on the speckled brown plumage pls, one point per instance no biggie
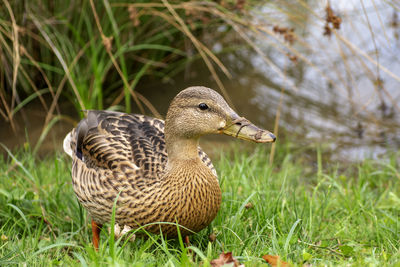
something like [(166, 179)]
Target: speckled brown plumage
[(156, 168), (126, 154)]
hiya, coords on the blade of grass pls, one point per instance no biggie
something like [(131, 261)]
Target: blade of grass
[(45, 132), (107, 40), (202, 50), (16, 55), (28, 99), (40, 251), (290, 235), (19, 211), (60, 58)]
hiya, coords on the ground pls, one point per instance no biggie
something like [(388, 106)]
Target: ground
[(307, 212)]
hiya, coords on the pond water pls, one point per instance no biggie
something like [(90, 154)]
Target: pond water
[(341, 89), (337, 95)]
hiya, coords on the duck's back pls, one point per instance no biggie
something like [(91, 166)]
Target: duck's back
[(107, 140)]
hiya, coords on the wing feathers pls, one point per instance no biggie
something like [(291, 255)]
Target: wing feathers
[(114, 140)]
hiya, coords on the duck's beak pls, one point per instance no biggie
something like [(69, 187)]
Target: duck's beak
[(241, 128)]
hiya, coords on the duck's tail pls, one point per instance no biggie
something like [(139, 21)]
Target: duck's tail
[(67, 144)]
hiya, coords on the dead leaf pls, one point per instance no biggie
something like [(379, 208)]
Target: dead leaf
[(134, 15), (212, 237), (249, 205), (107, 42), (275, 261), (225, 258)]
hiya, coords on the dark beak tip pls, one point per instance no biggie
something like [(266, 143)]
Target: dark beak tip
[(273, 137)]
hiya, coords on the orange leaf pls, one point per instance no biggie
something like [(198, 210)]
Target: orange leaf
[(275, 261), (225, 258)]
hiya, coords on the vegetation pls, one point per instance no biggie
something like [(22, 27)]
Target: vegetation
[(95, 54), (313, 214)]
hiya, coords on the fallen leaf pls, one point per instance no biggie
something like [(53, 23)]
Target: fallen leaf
[(225, 258), (249, 205), (212, 237), (275, 261)]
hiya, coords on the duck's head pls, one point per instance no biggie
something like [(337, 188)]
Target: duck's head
[(198, 111)]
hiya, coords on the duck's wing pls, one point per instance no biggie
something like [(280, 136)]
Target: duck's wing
[(113, 140), (118, 141)]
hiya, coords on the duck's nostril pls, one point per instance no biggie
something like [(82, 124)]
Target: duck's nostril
[(238, 123)]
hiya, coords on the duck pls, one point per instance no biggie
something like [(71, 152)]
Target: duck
[(153, 170)]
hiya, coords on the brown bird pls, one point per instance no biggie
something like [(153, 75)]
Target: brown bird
[(155, 169)]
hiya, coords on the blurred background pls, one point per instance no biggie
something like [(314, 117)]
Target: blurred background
[(325, 72)]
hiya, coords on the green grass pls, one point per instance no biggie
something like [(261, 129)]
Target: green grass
[(95, 53), (318, 214)]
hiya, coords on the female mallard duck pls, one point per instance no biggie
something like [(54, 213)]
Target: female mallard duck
[(156, 169)]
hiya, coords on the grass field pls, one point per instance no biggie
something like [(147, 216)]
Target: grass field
[(306, 212)]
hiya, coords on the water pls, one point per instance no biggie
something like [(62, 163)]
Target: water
[(344, 98), (337, 94)]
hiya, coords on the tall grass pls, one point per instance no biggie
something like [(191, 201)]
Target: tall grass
[(306, 212), (96, 53)]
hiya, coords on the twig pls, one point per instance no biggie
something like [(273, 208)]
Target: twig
[(327, 248)]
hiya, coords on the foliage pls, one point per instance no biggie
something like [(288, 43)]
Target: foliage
[(305, 212), (335, 60), (95, 53)]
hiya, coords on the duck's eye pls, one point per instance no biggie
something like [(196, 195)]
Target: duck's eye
[(203, 106)]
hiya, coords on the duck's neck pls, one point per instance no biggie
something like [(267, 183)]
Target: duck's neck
[(181, 149), (181, 144)]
